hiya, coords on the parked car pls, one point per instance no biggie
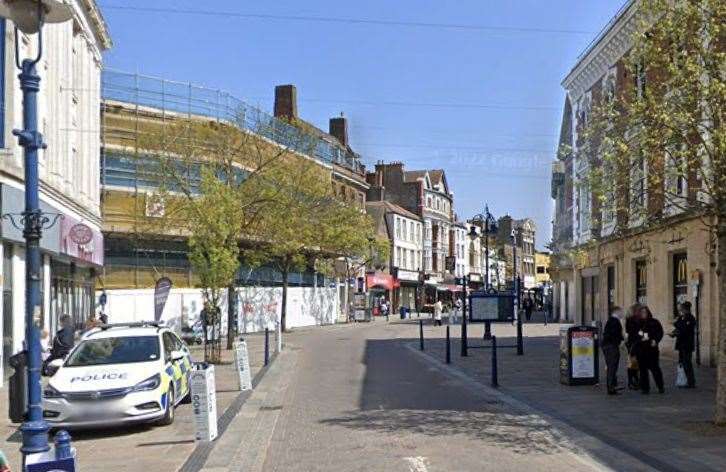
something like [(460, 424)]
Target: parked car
[(119, 374)]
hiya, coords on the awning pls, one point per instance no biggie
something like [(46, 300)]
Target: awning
[(379, 280)]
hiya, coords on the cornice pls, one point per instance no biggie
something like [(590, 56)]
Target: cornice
[(612, 44)]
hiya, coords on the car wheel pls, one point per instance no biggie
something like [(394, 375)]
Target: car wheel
[(168, 417)]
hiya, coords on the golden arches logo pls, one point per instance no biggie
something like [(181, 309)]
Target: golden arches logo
[(682, 272)]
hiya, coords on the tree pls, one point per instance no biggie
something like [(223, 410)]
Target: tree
[(212, 179), (663, 136), (306, 222)]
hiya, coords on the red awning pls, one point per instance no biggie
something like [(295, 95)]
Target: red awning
[(379, 280)]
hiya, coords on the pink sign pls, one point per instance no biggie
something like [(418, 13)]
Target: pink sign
[(80, 241)]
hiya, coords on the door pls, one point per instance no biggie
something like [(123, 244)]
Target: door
[(611, 289)]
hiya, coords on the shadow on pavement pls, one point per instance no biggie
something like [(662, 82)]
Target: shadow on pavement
[(401, 395)]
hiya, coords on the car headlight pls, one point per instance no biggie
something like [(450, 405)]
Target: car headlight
[(51, 392), (152, 383)]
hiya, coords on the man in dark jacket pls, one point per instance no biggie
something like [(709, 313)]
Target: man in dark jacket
[(651, 333), (685, 334), (612, 337), (64, 339)]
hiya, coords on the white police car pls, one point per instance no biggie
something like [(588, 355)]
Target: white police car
[(119, 374)]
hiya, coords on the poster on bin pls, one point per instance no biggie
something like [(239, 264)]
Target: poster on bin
[(242, 362), (583, 354)]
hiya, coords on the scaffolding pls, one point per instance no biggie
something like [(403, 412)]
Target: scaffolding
[(186, 99)]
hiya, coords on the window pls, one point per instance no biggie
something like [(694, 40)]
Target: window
[(397, 224), (410, 226), (680, 280), (639, 182), (541, 270), (640, 79), (428, 203), (403, 224), (641, 282)]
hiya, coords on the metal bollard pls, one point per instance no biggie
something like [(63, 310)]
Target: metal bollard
[(520, 341), (448, 346), (495, 374), (267, 346), (420, 334), (63, 448)]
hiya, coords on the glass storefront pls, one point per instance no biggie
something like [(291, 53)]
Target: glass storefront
[(680, 280), (72, 293), (7, 306)]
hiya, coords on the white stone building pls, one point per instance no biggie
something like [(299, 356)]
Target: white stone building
[(68, 118)]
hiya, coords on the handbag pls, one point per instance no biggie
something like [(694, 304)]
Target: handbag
[(633, 363), (681, 379)]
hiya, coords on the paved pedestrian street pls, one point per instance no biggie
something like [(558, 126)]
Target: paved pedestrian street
[(365, 397)]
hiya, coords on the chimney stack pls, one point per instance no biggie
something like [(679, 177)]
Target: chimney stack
[(339, 129), (286, 102)]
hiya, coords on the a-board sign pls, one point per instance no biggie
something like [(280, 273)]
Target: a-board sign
[(491, 307)]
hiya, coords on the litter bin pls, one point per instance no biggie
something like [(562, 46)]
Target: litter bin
[(579, 355), (18, 387)]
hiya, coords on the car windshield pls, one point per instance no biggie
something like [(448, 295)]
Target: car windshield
[(121, 350)]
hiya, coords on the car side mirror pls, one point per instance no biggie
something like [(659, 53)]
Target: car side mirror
[(177, 355)]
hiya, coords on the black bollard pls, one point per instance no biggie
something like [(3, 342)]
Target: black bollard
[(495, 374), (267, 346), (448, 346), (520, 341), (420, 334)]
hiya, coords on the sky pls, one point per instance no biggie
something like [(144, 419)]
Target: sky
[(471, 87)]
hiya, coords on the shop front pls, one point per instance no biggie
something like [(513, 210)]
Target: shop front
[(407, 293), (380, 286), (71, 253)]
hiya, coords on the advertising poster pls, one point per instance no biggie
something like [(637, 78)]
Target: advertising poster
[(161, 294), (583, 354), (204, 402), (242, 362)]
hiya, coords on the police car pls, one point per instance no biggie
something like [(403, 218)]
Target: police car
[(118, 374)]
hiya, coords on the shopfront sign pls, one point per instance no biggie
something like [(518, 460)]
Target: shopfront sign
[(379, 280), (583, 354), (408, 275), (80, 234)]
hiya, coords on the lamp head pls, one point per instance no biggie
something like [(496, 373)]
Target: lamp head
[(472, 232), (24, 13)]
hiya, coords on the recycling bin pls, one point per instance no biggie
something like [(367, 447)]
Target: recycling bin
[(579, 355), (18, 387)]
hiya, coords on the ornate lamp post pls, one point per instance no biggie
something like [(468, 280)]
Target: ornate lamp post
[(489, 226), (29, 17)]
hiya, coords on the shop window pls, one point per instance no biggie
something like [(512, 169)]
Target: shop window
[(641, 282), (680, 280)]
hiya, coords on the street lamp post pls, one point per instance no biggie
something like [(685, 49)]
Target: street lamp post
[(517, 293), (29, 16), (489, 225)]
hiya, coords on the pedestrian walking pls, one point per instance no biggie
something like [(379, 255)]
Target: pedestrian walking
[(685, 334), (438, 309), (528, 306), (612, 337), (457, 312), (632, 327), (384, 308), (651, 333)]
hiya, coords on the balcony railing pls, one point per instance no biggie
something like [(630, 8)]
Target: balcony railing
[(192, 100)]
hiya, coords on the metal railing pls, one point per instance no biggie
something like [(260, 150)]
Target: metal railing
[(193, 100)]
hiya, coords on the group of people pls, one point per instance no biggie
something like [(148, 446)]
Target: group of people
[(642, 336)]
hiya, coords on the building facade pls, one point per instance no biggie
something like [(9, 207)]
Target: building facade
[(426, 194), (523, 231), (68, 118), (603, 258), (404, 230)]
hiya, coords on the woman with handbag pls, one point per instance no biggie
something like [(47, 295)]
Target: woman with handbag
[(632, 327)]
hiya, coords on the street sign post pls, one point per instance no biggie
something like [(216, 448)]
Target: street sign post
[(204, 402), (242, 362)]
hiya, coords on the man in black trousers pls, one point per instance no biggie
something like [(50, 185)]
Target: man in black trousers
[(612, 337), (685, 334)]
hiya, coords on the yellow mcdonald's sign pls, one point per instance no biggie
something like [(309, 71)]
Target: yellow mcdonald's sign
[(682, 271)]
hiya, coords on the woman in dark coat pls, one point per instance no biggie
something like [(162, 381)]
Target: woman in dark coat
[(632, 326), (651, 333)]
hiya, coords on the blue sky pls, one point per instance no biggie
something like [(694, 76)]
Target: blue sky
[(483, 104)]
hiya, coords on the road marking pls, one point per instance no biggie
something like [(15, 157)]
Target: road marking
[(416, 464)]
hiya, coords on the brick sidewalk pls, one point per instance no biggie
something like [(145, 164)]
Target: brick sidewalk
[(669, 432), (158, 449)]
